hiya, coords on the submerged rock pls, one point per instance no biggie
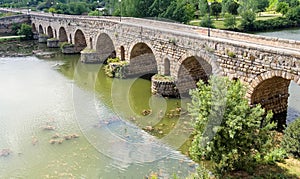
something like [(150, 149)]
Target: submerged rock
[(5, 152)]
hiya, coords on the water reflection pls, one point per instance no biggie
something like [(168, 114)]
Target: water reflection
[(35, 93)]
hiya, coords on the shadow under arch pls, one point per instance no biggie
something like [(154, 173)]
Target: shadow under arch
[(190, 70), (62, 35), (105, 47), (79, 41), (142, 60), (271, 91), (50, 32), (41, 30)]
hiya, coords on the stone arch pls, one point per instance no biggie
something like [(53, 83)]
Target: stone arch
[(271, 90), (167, 66), (142, 59), (105, 47), (190, 70), (79, 40), (50, 32), (62, 35), (122, 49), (41, 31), (33, 28)]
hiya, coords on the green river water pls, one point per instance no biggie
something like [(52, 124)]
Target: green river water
[(72, 98)]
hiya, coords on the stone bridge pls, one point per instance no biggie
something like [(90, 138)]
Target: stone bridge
[(182, 54)]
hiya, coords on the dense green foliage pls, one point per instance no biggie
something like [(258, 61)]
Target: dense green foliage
[(182, 11), (291, 139), (25, 30), (227, 130)]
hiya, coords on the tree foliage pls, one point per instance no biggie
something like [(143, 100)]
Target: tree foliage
[(216, 8), (282, 8), (291, 138), (26, 30), (230, 21), (227, 130)]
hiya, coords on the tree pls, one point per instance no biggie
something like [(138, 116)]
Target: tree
[(282, 8), (294, 15), (203, 7), (216, 8), (291, 138), (230, 6), (248, 18), (230, 21), (227, 130), (262, 5), (26, 30), (207, 22)]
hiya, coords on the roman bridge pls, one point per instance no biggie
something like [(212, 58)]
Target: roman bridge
[(182, 54)]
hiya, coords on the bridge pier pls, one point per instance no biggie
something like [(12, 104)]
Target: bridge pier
[(89, 56), (52, 43), (43, 38), (164, 86)]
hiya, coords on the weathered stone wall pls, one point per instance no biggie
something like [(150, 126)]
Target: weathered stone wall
[(250, 58), (7, 23)]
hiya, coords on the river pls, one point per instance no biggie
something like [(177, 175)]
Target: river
[(58, 119), (294, 90)]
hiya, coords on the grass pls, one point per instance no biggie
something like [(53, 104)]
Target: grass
[(10, 38), (219, 24)]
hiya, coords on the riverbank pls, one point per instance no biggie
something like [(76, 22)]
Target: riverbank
[(14, 46)]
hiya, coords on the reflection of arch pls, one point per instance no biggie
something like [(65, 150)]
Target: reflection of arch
[(166, 66), (79, 41), (105, 47), (41, 31), (142, 59), (33, 27), (191, 70), (50, 32), (62, 35), (122, 53)]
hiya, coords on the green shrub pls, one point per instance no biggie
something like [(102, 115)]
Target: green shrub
[(291, 138), (277, 155), (113, 60), (228, 131), (66, 44), (26, 30)]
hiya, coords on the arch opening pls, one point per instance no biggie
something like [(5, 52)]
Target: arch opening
[(62, 35), (191, 70), (166, 66), (91, 42), (41, 31), (272, 94), (33, 28), (80, 42), (142, 61), (50, 32), (122, 53), (105, 47)]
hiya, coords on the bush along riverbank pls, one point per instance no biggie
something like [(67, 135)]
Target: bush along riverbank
[(14, 47), (242, 143)]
